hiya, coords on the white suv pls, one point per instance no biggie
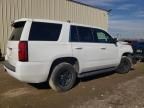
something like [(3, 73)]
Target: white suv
[(60, 52)]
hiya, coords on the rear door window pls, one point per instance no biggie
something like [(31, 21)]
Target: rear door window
[(85, 34), (17, 31), (81, 34), (45, 31)]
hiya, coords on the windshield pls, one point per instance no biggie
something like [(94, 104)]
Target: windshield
[(17, 31)]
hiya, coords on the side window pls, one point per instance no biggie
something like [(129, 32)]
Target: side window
[(74, 34), (45, 31), (17, 31), (101, 36), (85, 34)]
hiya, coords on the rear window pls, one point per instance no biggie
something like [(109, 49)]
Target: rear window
[(45, 31), (17, 31)]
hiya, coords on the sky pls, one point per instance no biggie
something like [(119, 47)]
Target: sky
[(126, 20)]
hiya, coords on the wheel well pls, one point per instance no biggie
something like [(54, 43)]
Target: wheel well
[(73, 61), (132, 56), (127, 54)]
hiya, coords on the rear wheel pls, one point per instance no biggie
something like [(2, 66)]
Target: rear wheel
[(125, 65), (63, 77)]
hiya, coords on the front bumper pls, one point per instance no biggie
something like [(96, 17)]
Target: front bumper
[(30, 72)]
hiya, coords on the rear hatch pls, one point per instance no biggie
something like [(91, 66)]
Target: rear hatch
[(12, 45)]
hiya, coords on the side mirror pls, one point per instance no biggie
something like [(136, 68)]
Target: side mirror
[(115, 40)]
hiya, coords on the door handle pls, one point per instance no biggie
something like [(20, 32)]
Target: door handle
[(103, 48), (10, 48), (79, 48)]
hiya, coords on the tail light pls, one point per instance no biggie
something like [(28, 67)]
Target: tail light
[(23, 51)]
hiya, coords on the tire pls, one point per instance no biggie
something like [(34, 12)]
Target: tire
[(134, 60), (63, 77), (125, 65), (142, 60)]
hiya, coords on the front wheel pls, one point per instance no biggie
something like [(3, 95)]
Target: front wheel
[(142, 60), (63, 77), (125, 65)]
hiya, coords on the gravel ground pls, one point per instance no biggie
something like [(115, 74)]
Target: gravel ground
[(102, 91), (126, 95)]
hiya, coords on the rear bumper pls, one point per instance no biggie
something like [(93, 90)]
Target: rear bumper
[(9, 66), (29, 72)]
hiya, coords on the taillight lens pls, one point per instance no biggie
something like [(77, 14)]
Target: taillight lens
[(23, 51)]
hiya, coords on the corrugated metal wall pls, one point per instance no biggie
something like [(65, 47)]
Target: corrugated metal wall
[(63, 10)]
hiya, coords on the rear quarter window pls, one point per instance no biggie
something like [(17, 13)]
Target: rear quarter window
[(17, 31), (45, 31)]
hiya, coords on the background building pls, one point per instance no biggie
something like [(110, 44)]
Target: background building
[(62, 10)]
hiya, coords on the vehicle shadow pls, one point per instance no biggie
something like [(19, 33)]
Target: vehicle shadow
[(132, 69), (43, 85), (97, 76)]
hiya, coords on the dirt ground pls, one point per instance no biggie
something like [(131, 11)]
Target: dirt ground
[(102, 91)]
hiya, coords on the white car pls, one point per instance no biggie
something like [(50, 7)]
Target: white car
[(60, 52)]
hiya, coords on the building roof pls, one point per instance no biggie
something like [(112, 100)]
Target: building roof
[(97, 7)]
